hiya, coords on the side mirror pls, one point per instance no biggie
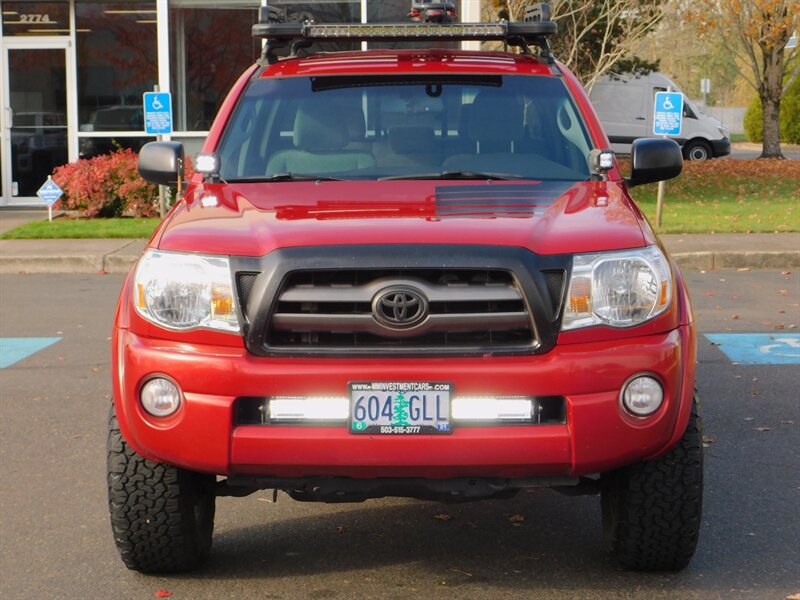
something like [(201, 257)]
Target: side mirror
[(162, 163), (654, 159)]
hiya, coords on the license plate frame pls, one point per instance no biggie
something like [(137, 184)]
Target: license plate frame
[(400, 407)]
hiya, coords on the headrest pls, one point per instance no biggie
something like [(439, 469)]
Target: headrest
[(318, 125), (533, 123), (412, 139), (496, 117), (353, 118), (463, 119)]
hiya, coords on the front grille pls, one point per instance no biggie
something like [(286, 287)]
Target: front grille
[(477, 300), (333, 309), (244, 285), (555, 287)]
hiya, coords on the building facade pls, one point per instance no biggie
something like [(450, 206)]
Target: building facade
[(72, 72)]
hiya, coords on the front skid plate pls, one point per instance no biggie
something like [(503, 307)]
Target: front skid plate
[(342, 489)]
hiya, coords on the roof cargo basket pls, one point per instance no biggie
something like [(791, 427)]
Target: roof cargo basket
[(532, 31)]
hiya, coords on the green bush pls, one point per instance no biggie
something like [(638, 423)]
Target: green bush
[(790, 114), (790, 117), (754, 121)]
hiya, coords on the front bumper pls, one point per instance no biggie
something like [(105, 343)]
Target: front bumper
[(597, 436), (721, 147)]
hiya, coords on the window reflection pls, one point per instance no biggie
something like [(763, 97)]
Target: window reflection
[(35, 18), (37, 115), (117, 63), (210, 48), (95, 146), (322, 12)]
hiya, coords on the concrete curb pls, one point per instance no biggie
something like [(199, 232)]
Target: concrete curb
[(55, 256), (708, 261), (51, 264)]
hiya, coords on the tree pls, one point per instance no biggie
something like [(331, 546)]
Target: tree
[(757, 31), (594, 35), (687, 58), (790, 117)]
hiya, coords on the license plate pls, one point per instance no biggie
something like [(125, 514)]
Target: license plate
[(399, 408)]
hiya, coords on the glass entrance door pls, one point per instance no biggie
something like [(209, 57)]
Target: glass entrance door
[(34, 117)]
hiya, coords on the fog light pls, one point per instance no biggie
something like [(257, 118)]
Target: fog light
[(160, 397), (642, 395)]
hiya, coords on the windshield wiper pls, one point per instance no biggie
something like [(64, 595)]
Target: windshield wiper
[(285, 177), (455, 175)]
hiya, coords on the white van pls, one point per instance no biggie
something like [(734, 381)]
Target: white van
[(624, 105)]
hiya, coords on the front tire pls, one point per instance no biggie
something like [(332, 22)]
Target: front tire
[(162, 516), (652, 510), (697, 150)]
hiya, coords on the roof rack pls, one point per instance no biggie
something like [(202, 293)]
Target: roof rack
[(533, 31)]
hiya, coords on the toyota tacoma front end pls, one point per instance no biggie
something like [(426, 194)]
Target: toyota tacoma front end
[(405, 273)]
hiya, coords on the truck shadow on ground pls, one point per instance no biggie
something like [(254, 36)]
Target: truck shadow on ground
[(538, 537), (535, 541)]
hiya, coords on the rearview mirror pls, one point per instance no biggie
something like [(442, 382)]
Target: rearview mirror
[(162, 163), (654, 159)]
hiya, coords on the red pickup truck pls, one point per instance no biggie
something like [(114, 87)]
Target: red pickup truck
[(405, 273)]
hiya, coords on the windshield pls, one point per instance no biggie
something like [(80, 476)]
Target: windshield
[(405, 127)]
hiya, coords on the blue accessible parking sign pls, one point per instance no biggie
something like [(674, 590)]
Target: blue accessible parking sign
[(157, 113), (668, 113)]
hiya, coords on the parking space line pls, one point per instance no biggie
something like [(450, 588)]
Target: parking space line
[(13, 350), (758, 348)]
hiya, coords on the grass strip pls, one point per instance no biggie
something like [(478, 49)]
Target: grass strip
[(727, 196), (83, 229)]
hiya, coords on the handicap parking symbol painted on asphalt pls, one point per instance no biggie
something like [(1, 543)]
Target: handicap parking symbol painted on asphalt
[(759, 348), (13, 350)]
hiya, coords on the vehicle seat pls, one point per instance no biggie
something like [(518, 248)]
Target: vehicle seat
[(320, 136), (535, 139), (409, 146), (353, 118), (461, 143), (496, 124)]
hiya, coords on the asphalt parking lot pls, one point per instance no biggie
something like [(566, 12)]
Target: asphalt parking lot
[(55, 539)]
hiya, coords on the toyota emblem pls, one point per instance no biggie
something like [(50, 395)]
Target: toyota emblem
[(399, 307)]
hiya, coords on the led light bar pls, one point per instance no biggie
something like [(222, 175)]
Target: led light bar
[(309, 31), (492, 409), (310, 408), (282, 409), (405, 30)]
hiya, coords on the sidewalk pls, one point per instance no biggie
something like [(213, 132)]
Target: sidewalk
[(695, 251)]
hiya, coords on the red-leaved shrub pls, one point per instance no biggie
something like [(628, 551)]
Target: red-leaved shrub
[(109, 186)]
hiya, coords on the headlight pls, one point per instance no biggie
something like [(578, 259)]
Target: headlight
[(723, 131), (185, 291), (617, 289)]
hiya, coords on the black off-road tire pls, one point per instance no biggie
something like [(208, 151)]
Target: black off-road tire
[(652, 510), (162, 516)]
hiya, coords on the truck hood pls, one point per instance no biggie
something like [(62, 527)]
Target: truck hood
[(547, 217)]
